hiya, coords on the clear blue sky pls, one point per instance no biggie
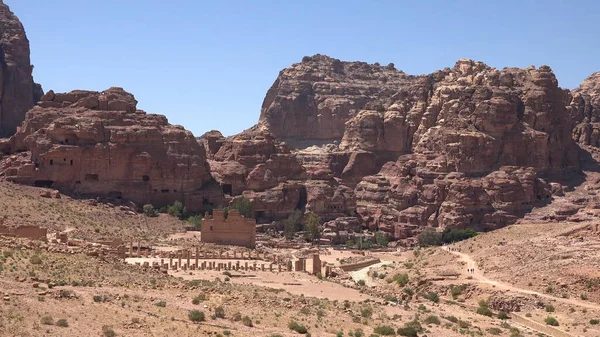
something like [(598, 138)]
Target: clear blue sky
[(208, 64)]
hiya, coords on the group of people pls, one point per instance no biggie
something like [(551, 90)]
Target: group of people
[(471, 270), (453, 249)]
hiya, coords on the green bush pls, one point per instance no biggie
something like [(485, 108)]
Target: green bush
[(242, 205), (494, 331), (220, 312), (149, 211), (381, 238), (594, 321), (455, 235), (62, 323), (549, 308), (35, 259), (177, 209), (366, 312), (47, 320), (408, 331), (429, 237), (384, 330), (108, 331), (485, 311), (161, 304), (294, 326), (361, 283), (195, 220), (432, 296), (451, 319), (196, 316), (236, 317), (312, 226), (401, 279), (432, 320), (247, 321), (551, 321), (502, 315), (292, 224)]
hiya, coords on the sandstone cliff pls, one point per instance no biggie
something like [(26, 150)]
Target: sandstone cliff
[(585, 111), (98, 143), (18, 92)]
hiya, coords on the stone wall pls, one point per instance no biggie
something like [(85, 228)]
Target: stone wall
[(234, 230), (28, 232)]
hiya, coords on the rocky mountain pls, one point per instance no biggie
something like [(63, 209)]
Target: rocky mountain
[(362, 145), (18, 92), (98, 144)]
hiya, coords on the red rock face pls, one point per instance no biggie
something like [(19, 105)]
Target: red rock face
[(18, 92), (98, 143), (466, 147), (585, 111)]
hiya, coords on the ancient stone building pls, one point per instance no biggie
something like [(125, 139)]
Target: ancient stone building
[(233, 230)]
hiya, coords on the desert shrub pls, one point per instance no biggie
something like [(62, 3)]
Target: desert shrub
[(549, 308), (484, 309), (432, 320), (294, 326), (408, 291), (35, 259), (242, 205), (108, 331), (384, 330), (551, 321), (381, 238), (149, 211), (401, 279), (196, 316), (464, 324), (247, 321), (47, 320), (339, 334), (62, 323), (432, 296), (429, 237), (455, 235), (594, 321), (161, 304), (502, 315), (236, 317), (177, 209), (196, 300), (456, 291), (292, 224), (366, 312), (311, 226), (451, 319), (195, 220), (408, 331), (494, 331), (361, 283), (220, 312), (358, 333)]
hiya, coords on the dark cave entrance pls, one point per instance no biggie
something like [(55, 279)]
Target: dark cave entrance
[(43, 183)]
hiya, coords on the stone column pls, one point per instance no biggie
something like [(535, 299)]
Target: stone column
[(197, 256), (245, 265), (289, 265), (179, 258), (139, 250), (262, 266), (229, 265), (270, 267), (237, 265), (171, 261), (234, 254), (279, 268), (187, 252), (130, 247), (254, 266)]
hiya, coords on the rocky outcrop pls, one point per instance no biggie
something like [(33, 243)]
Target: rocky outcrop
[(585, 111), (466, 146), (18, 92), (98, 143)]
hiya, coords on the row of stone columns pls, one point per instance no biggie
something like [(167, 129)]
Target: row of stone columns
[(250, 255)]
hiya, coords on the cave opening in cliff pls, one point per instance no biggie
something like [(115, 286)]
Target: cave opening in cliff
[(115, 194), (92, 177), (302, 199), (51, 162), (145, 178), (260, 216), (227, 189), (43, 183)]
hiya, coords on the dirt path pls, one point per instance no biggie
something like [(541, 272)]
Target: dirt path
[(479, 277)]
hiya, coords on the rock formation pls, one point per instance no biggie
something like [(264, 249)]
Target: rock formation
[(18, 92), (585, 111), (98, 143)]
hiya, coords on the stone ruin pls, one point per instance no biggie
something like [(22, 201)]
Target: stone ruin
[(234, 230)]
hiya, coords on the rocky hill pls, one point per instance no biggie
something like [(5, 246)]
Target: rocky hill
[(18, 92), (362, 145)]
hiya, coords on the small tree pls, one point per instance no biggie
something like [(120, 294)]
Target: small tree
[(196, 316), (381, 238), (292, 224), (429, 237), (149, 211), (177, 209), (311, 226), (195, 220), (242, 205)]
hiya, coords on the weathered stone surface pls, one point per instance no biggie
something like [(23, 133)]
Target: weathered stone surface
[(585, 111), (18, 92), (98, 143)]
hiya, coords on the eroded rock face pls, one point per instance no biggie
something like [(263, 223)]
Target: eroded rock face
[(98, 143), (585, 111), (18, 92), (466, 146)]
